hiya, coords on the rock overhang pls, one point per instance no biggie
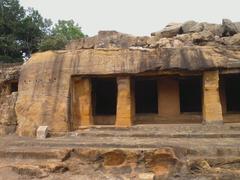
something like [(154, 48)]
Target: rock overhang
[(115, 61), (189, 46)]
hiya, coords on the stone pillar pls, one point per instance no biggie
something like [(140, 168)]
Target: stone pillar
[(212, 109), (125, 109), (168, 97), (84, 95)]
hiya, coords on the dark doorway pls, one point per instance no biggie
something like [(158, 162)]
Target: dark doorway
[(191, 94), (232, 90), (14, 87), (146, 96), (104, 96)]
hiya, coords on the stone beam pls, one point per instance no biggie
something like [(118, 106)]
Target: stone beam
[(125, 107), (212, 109)]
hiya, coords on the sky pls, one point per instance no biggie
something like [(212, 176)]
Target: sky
[(136, 17)]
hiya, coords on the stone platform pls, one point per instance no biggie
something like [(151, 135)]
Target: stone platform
[(162, 151)]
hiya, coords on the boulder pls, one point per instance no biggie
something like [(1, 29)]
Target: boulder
[(169, 31), (237, 24), (215, 29), (201, 37), (232, 40), (197, 27), (230, 28), (186, 27)]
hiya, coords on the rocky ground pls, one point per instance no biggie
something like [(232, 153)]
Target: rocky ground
[(142, 152)]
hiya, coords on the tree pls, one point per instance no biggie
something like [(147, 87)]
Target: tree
[(11, 14), (67, 29), (32, 29), (62, 32), (21, 31), (52, 43)]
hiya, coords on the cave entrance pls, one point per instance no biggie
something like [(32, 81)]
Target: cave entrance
[(190, 94), (146, 96), (232, 91), (104, 96), (14, 87)]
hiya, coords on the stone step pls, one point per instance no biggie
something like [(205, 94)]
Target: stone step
[(161, 131), (198, 127), (184, 128), (191, 149), (155, 135), (34, 153)]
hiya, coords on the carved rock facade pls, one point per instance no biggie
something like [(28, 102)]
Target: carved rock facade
[(191, 59)]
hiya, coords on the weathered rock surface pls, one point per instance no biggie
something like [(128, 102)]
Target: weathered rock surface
[(9, 72), (8, 121)]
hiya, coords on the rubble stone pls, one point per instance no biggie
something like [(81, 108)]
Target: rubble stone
[(42, 132)]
